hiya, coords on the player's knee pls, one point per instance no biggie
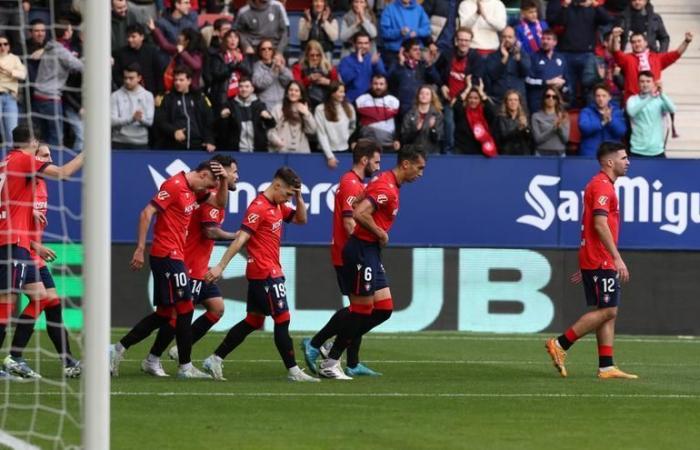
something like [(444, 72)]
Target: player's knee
[(184, 307), (215, 308), (611, 313), (254, 320), (33, 309), (282, 318)]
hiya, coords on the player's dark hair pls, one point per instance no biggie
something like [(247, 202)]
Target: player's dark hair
[(412, 153), (224, 160), (645, 73), (23, 133), (607, 148), (134, 67), (365, 147), (288, 176), (204, 165), (135, 28)]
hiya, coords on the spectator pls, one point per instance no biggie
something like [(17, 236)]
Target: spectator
[(639, 18), (615, 7), (605, 70), (262, 19), (455, 66), (486, 18), (318, 24), (226, 68), (270, 75), (410, 73), (132, 111), (376, 111), (550, 126), (121, 19), (513, 133), (335, 122), (184, 117), (10, 23), (423, 124), (142, 53), (402, 20), (443, 15), (190, 51), (529, 30), (221, 26), (580, 21), (475, 118), (315, 72), (293, 121), (245, 121), (179, 17), (601, 121), (642, 59), (507, 68), (646, 111), (37, 36), (548, 69), (12, 71), (356, 69), (360, 17), (55, 65)]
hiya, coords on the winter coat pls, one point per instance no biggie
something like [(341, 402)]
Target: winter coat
[(430, 138), (465, 142), (485, 29), (269, 85), (511, 139), (255, 22), (404, 82), (499, 77), (171, 27), (148, 60), (241, 112), (357, 76), (219, 74), (593, 132), (656, 33), (191, 111), (579, 23), (397, 16)]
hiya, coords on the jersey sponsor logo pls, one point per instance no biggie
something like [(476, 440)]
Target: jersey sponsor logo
[(162, 195), (276, 226), (602, 200), (382, 198), (350, 200), (191, 207), (252, 218)]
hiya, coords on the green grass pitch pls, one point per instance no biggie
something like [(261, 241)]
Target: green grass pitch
[(438, 391)]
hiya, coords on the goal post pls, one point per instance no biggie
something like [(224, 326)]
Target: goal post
[(96, 232)]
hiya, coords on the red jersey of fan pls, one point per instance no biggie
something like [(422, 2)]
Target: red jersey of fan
[(41, 202), (17, 190), (349, 190), (176, 201), (383, 192), (599, 199), (263, 221), (198, 246)]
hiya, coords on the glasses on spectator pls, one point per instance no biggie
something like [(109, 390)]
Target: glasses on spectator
[(550, 96)]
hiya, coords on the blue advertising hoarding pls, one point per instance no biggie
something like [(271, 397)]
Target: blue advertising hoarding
[(460, 202)]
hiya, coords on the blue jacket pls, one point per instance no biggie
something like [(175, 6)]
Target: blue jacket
[(593, 132), (172, 27), (357, 76), (520, 34), (500, 77), (397, 16), (543, 68), (404, 83)]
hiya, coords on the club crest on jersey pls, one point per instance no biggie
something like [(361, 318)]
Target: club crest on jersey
[(276, 225), (368, 286), (162, 195), (602, 200), (280, 304), (382, 198), (252, 218), (214, 213), (606, 298)]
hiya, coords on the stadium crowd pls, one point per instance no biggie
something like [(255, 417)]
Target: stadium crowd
[(463, 77)]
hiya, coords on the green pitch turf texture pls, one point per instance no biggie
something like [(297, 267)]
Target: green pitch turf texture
[(438, 391)]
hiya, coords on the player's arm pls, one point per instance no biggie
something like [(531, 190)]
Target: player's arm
[(600, 224), (65, 171), (221, 197), (300, 216), (363, 215), (215, 272), (44, 253), (216, 233), (349, 225), (145, 219)]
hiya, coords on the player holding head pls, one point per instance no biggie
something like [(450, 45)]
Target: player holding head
[(601, 266), (366, 158), (18, 273), (261, 234), (51, 305), (363, 273), (204, 229), (179, 196)]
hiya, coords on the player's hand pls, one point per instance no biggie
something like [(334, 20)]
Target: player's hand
[(137, 259), (218, 169), (576, 277), (622, 271), (213, 274), (40, 218), (384, 239), (46, 253)]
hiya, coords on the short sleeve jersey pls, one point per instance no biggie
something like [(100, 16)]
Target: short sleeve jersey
[(599, 199), (41, 202), (349, 190), (17, 197), (383, 192), (175, 202), (198, 246), (263, 221)]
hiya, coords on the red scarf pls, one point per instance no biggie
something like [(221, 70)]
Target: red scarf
[(480, 128), (643, 60), (534, 46), (232, 89)]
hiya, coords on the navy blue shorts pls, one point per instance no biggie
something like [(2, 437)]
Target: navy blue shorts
[(344, 289), (363, 272), (15, 264), (202, 290), (170, 281), (602, 287), (268, 297), (44, 275)]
